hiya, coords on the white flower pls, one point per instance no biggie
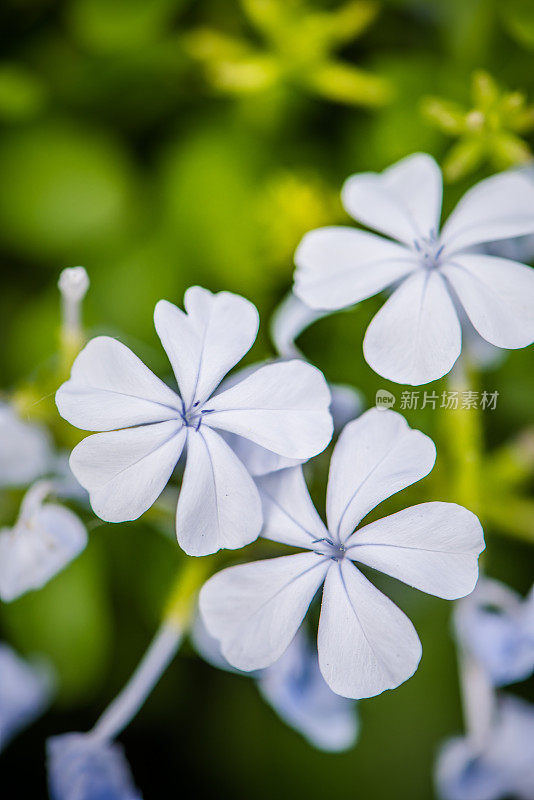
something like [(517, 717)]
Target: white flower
[(296, 690), (500, 766), (45, 538), (281, 407), (366, 644), (25, 449), (496, 626), (84, 767), (416, 336), (25, 691)]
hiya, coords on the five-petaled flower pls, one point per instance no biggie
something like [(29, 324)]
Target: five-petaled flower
[(416, 336), (280, 407), (366, 644)]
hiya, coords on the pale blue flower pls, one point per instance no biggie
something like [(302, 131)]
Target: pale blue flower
[(25, 691), (295, 688), (499, 766), (496, 625), (85, 767)]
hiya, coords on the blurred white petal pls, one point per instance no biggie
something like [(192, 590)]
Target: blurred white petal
[(25, 449), (81, 767), (25, 692), (45, 538)]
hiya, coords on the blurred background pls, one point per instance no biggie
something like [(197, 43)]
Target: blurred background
[(164, 143)]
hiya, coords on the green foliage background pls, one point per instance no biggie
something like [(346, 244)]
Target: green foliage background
[(162, 143)]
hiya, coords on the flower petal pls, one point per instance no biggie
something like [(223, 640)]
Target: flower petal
[(219, 505), (289, 320), (296, 689), (499, 207), (25, 449), (498, 297), (366, 644), (204, 343), (337, 267), (256, 609), (416, 337), (282, 407), (84, 767), (111, 388), (376, 456), (289, 515), (126, 471), (258, 460), (37, 548), (403, 202), (25, 691), (432, 546)]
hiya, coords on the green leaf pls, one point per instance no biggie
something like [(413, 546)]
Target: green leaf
[(446, 115), (22, 94), (463, 158), (344, 83)]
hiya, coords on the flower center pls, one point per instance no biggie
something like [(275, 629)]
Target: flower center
[(192, 417), (429, 251), (327, 547)]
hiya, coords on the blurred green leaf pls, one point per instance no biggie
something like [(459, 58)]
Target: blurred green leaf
[(62, 185), (22, 94), (518, 17)]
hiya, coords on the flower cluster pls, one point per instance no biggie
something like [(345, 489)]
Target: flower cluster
[(238, 444)]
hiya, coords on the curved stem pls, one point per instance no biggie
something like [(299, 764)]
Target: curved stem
[(128, 702)]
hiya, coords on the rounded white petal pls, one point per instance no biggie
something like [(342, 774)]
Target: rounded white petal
[(283, 407), (376, 456), (219, 505), (403, 202), (204, 343), (416, 337), (25, 449), (499, 207), (432, 546), (498, 297), (289, 515), (366, 644), (337, 267), (111, 388), (255, 609), (37, 548), (126, 471)]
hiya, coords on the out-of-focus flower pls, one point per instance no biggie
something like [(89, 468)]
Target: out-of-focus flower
[(300, 44), (500, 765), (85, 767), (296, 690), (496, 625), (25, 449), (25, 691), (45, 538), (281, 407), (489, 131), (365, 643), (416, 336)]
